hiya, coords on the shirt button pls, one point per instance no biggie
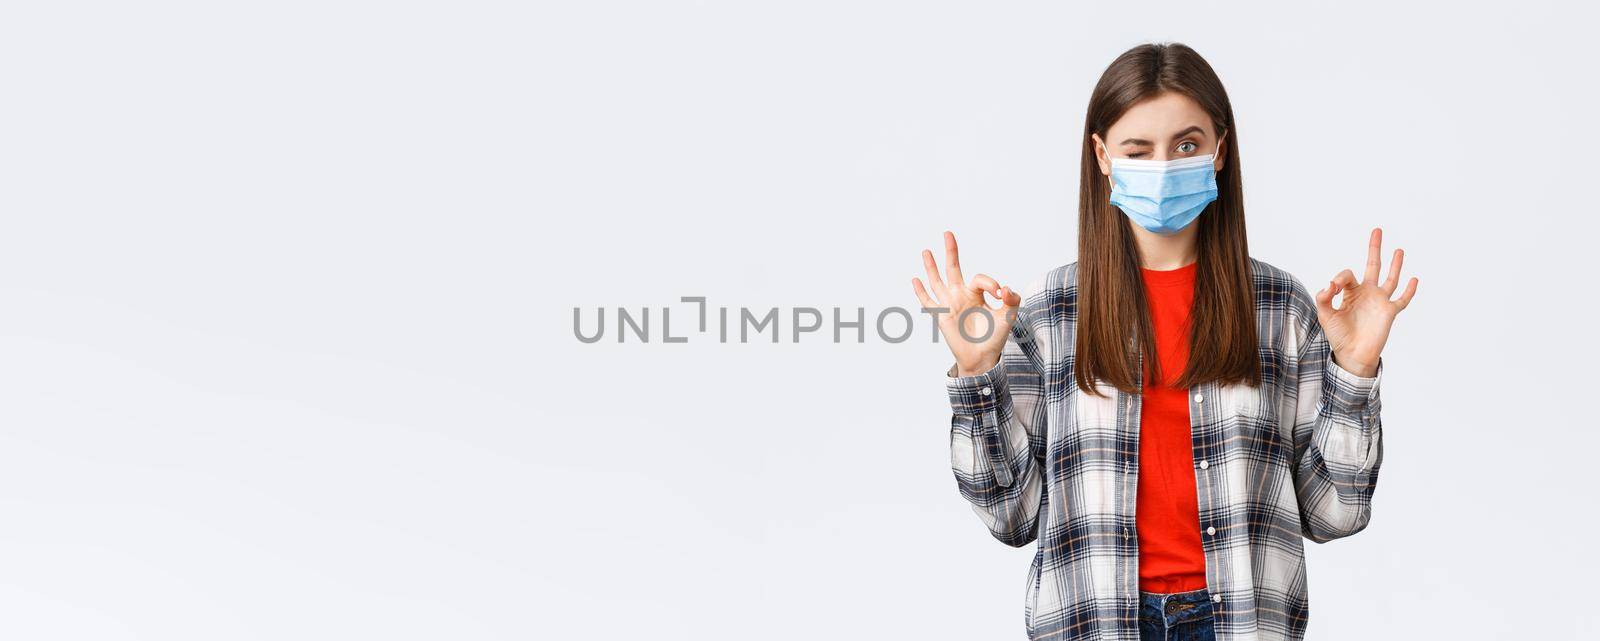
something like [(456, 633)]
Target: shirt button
[(986, 391), (1216, 598), (1211, 531), (1198, 397), (1204, 464)]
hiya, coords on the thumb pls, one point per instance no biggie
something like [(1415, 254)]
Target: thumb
[(1325, 299), (1009, 297), (1010, 303)]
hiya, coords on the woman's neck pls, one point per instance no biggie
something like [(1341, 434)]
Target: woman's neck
[(1167, 252)]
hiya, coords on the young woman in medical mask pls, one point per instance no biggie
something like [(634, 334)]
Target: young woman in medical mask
[(1166, 417)]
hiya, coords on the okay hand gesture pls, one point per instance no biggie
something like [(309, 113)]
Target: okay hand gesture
[(1358, 331), (976, 337)]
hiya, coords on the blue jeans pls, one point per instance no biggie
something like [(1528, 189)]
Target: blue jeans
[(1181, 616)]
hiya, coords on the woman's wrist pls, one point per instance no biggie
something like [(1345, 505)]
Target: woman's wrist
[(962, 370)]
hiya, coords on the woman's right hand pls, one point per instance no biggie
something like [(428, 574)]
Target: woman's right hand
[(973, 356)]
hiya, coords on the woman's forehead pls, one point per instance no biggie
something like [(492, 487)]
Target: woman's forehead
[(1162, 117)]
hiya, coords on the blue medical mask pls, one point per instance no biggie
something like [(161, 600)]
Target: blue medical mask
[(1163, 196)]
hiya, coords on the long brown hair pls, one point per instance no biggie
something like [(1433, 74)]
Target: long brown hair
[(1112, 313)]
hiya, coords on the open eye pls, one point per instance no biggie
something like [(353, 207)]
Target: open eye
[(1187, 147)]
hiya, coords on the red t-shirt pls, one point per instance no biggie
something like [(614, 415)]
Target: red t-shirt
[(1168, 517)]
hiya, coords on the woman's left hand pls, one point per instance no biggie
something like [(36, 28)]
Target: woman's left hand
[(1358, 330)]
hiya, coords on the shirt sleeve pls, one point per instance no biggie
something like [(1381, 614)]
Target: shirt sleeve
[(1338, 433), (997, 431)]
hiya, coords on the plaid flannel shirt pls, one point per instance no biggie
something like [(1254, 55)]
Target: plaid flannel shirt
[(1040, 460)]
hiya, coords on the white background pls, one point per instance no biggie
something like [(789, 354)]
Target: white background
[(287, 292)]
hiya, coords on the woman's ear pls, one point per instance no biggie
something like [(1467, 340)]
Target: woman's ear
[(1101, 154)]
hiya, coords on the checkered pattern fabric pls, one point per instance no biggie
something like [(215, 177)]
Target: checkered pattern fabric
[(1042, 461)]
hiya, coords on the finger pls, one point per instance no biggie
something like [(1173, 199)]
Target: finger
[(952, 260), (1325, 299), (932, 269), (922, 294), (1342, 281), (983, 283), (1009, 302), (1010, 297), (1345, 280), (1411, 290), (1394, 271), (1374, 247)]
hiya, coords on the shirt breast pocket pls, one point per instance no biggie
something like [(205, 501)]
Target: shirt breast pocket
[(1255, 411)]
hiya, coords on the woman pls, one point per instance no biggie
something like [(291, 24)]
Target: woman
[(1167, 504)]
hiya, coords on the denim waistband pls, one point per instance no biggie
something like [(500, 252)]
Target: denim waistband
[(1175, 608)]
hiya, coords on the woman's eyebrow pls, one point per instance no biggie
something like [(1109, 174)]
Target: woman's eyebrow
[(1190, 130)]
